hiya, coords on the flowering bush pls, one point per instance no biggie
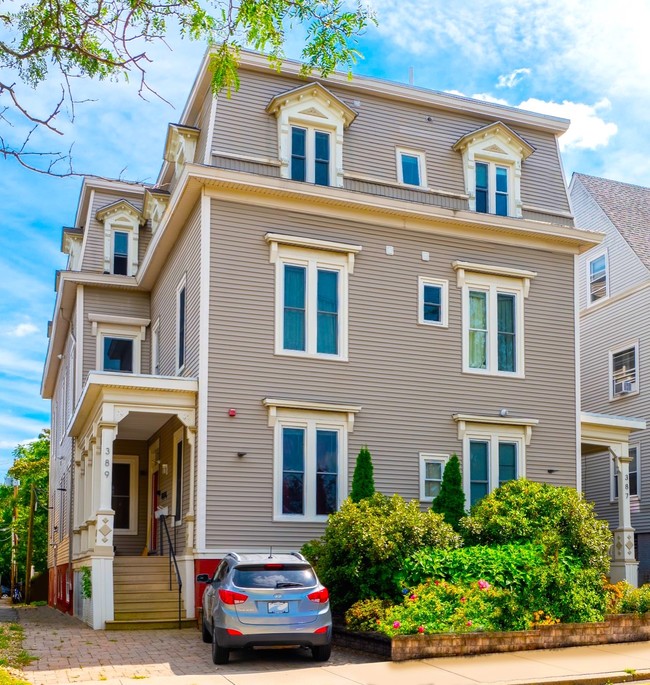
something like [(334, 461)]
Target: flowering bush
[(635, 600), (442, 607), (366, 614)]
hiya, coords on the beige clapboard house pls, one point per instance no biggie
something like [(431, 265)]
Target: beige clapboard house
[(321, 265), (614, 298)]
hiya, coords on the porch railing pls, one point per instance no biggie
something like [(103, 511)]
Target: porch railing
[(172, 560)]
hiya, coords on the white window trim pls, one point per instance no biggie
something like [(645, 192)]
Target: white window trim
[(493, 434), (179, 437), (114, 330), (312, 260), (422, 168), (179, 288), (493, 284), (593, 257), (492, 165), (133, 462), (444, 300), (632, 344), (426, 458), (310, 149), (613, 497), (311, 421), (155, 348), (121, 216)]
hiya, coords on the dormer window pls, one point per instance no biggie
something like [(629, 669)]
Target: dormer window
[(410, 167), (122, 223), (492, 158), (180, 146), (310, 155), (311, 121)]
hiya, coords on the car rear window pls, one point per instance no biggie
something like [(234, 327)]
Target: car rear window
[(276, 578)]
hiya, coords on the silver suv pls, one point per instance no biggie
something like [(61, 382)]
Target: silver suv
[(258, 600)]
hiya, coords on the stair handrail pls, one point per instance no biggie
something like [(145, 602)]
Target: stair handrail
[(172, 558)]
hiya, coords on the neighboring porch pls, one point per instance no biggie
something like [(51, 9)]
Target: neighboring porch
[(604, 432), (134, 500)]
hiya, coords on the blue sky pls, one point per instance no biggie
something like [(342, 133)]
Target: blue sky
[(587, 60)]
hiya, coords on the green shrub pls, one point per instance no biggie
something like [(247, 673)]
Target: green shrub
[(363, 482), (365, 615), (538, 582), (442, 607), (635, 600), (524, 511), (365, 543), (450, 502)]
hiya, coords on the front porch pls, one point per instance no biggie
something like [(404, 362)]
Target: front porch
[(135, 444), (604, 432)]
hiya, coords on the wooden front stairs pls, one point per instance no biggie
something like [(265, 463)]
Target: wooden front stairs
[(142, 598)]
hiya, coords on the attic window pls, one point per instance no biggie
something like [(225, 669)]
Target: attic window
[(311, 121), (492, 158), (122, 223)]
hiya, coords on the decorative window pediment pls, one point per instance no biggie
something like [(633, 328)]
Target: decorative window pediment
[(122, 223), (492, 158), (318, 112), (180, 145), (71, 245), (155, 204)]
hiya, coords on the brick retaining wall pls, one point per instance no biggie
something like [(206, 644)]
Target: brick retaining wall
[(616, 628)]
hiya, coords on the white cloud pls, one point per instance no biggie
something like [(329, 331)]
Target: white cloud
[(513, 78), (23, 329)]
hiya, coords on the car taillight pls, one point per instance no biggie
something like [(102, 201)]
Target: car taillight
[(321, 596), (320, 631), (232, 631), (230, 597)]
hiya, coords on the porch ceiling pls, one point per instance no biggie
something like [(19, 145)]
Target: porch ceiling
[(140, 404), (600, 431)]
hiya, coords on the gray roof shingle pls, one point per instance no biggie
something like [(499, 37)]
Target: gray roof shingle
[(627, 206)]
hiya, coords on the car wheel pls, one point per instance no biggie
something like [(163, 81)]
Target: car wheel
[(220, 655), (322, 652), (205, 633)]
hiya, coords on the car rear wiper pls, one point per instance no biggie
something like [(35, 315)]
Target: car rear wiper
[(279, 585)]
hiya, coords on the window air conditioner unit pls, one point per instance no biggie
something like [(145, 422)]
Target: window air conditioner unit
[(623, 387)]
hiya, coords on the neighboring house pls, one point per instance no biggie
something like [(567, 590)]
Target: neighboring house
[(321, 265), (614, 296)]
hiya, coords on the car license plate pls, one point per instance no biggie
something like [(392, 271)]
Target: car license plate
[(278, 607)]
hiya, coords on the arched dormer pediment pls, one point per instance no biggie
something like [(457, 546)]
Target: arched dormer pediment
[(122, 222), (318, 112), (492, 157)]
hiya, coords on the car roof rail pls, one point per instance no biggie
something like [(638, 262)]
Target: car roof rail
[(234, 555), (298, 555)]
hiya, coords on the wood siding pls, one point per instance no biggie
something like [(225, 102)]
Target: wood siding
[(113, 302), (407, 377), (625, 268), (604, 329), (243, 127), (183, 260)]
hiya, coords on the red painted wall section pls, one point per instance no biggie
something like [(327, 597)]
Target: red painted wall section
[(208, 566), (60, 593)]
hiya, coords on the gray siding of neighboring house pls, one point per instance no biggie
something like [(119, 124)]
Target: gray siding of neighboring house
[(602, 330), (113, 302), (407, 377), (625, 268), (93, 245), (183, 260), (381, 125)]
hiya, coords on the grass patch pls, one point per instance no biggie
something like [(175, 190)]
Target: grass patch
[(12, 655)]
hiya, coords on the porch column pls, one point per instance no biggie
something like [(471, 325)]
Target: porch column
[(190, 518), (624, 566), (78, 503), (102, 562)]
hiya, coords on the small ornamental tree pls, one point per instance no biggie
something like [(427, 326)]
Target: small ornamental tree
[(363, 482), (450, 501)]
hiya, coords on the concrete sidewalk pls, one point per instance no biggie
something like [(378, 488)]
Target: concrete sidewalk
[(69, 652)]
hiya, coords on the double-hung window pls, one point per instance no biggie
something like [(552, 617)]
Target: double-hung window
[(120, 252), (598, 282), (311, 296), (432, 301), (624, 370), (432, 467), (310, 155), (492, 194), (310, 458), (493, 452), (633, 476), (493, 318)]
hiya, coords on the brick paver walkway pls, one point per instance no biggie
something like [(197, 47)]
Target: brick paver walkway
[(68, 651)]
